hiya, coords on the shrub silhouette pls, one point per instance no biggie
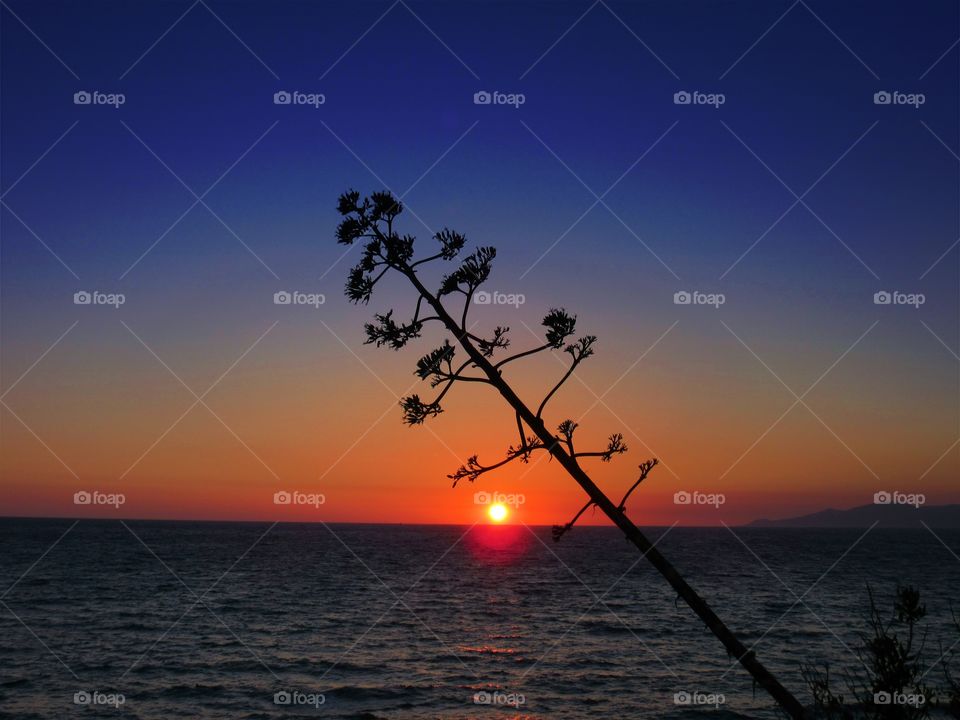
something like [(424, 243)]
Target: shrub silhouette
[(893, 668)]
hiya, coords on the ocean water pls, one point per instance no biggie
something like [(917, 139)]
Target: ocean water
[(212, 620)]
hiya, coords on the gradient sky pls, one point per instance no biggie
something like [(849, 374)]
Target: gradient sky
[(311, 408)]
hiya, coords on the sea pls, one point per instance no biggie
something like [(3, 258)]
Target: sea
[(150, 619)]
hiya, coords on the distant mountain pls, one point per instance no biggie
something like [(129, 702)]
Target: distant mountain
[(891, 516)]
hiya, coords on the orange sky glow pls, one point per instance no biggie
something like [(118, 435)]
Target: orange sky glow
[(320, 417)]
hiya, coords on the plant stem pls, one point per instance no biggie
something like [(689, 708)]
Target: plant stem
[(734, 647)]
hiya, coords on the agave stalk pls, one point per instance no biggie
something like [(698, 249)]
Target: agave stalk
[(371, 221)]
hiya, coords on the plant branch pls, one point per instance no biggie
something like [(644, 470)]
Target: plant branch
[(556, 387), (579, 351), (473, 469), (525, 353), (560, 530), (645, 468)]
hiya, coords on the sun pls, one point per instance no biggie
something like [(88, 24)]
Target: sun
[(498, 512)]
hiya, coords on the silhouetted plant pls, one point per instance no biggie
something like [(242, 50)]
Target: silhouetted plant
[(891, 686), (946, 665), (370, 221), (827, 704)]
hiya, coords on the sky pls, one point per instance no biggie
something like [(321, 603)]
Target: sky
[(787, 188)]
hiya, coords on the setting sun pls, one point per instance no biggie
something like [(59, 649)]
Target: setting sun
[(498, 512)]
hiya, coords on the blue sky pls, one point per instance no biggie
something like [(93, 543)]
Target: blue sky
[(704, 209)]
